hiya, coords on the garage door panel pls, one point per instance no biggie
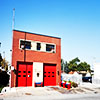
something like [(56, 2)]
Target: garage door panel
[(49, 75), (24, 76), (21, 78), (29, 75)]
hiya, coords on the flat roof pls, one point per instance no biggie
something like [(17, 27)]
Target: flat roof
[(36, 34)]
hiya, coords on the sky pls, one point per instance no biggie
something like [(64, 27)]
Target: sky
[(76, 22)]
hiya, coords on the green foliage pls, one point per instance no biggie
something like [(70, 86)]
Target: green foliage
[(83, 66), (1, 87), (64, 66), (74, 65), (75, 60), (4, 64), (73, 84)]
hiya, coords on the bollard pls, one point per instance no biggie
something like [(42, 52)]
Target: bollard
[(64, 85), (68, 86)]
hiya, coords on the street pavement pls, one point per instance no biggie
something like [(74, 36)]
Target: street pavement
[(55, 97), (85, 91)]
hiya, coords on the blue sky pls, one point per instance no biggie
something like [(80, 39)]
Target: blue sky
[(77, 22)]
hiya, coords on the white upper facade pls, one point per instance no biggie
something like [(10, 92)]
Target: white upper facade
[(37, 46)]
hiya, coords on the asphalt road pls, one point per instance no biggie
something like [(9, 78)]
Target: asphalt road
[(63, 97)]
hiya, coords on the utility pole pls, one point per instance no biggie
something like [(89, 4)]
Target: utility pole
[(10, 70), (13, 23), (13, 26)]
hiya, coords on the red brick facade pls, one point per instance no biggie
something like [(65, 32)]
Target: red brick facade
[(19, 55)]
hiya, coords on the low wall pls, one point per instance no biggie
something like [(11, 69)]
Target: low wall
[(72, 77)]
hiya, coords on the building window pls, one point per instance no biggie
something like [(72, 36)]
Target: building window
[(25, 44), (50, 48), (38, 46)]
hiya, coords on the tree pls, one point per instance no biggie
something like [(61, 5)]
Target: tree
[(4, 77), (4, 64), (66, 70), (0, 59), (83, 66), (72, 65), (62, 64), (75, 60)]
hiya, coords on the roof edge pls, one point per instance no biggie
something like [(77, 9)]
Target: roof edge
[(36, 34)]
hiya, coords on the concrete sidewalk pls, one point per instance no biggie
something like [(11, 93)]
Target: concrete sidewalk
[(84, 88), (26, 91)]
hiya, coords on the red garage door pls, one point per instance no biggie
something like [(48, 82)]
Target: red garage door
[(49, 75), (24, 75)]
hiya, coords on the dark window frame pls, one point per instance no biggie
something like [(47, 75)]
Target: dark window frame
[(50, 48), (38, 46), (26, 44)]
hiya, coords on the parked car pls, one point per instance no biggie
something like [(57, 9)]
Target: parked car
[(87, 79)]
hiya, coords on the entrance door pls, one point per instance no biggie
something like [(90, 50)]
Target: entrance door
[(49, 75), (24, 75)]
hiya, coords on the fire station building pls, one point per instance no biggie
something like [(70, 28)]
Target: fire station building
[(36, 59)]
